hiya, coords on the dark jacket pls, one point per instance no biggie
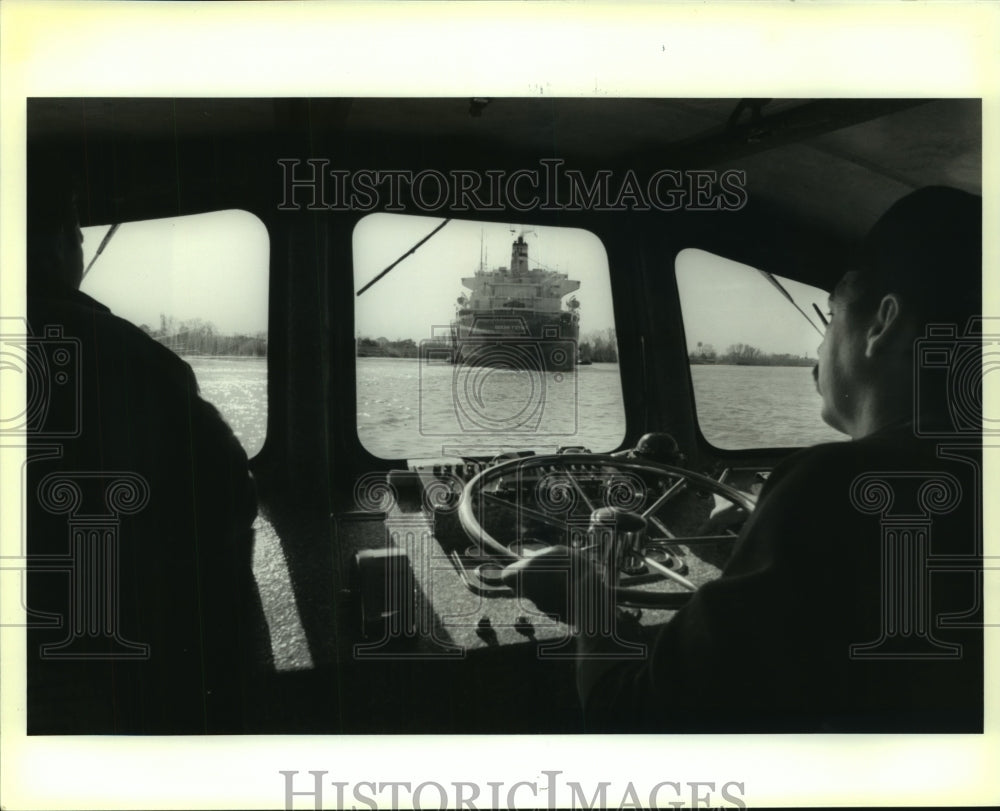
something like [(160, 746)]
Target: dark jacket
[(140, 505), (846, 548)]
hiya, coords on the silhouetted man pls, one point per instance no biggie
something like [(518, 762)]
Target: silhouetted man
[(139, 504), (830, 615)]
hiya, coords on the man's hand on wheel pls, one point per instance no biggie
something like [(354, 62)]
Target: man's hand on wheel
[(551, 579), (725, 516)]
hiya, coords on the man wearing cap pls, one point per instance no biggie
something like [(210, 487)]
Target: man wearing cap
[(831, 615)]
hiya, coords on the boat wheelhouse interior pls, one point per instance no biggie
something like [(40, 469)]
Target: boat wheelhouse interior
[(395, 475)]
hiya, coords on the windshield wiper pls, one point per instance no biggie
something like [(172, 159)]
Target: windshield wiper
[(101, 247), (401, 258), (788, 296)]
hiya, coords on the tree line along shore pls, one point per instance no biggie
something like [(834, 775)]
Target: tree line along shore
[(598, 347), (197, 337), (745, 355)]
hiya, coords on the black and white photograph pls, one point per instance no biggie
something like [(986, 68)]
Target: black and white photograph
[(408, 442)]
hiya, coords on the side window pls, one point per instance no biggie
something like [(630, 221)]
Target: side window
[(752, 354), (483, 339), (198, 285)]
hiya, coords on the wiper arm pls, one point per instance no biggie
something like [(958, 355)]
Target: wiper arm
[(788, 296), (101, 247), (401, 258)]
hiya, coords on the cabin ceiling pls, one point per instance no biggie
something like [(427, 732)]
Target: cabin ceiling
[(831, 165)]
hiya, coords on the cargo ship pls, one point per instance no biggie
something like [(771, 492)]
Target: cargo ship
[(514, 317)]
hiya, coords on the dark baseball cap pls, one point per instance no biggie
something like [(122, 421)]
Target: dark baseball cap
[(927, 248)]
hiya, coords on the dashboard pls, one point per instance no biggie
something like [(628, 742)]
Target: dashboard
[(434, 580)]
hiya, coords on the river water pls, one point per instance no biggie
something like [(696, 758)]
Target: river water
[(408, 409), (238, 388), (759, 406)]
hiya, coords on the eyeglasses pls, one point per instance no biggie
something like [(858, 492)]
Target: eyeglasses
[(822, 318)]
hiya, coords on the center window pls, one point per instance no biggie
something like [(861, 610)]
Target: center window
[(475, 339)]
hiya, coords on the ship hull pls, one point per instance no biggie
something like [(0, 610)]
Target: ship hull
[(531, 341)]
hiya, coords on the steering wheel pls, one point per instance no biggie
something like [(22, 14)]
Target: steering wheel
[(610, 507)]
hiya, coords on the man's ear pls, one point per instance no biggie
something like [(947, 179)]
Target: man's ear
[(885, 325)]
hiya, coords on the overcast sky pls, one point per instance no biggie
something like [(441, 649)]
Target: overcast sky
[(215, 267), (421, 291), (210, 266), (726, 303)]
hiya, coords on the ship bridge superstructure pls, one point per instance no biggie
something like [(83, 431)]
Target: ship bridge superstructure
[(514, 317), (517, 287)]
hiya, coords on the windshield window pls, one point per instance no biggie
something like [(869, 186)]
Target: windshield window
[(490, 337), (752, 354), (198, 285)]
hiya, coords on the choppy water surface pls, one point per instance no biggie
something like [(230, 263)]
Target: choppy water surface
[(759, 406), (408, 409), (238, 388)]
